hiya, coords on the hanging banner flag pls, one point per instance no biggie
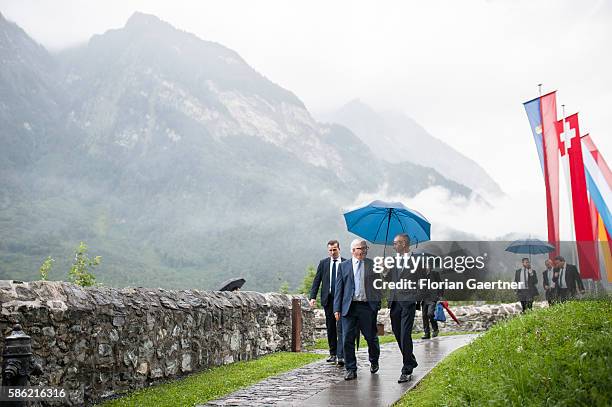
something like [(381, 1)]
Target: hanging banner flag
[(599, 228), (534, 114), (599, 189), (542, 115), (571, 147), (587, 141), (605, 243)]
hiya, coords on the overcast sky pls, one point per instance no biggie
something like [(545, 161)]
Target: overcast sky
[(460, 68)]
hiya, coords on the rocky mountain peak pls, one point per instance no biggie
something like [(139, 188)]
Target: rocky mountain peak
[(141, 20)]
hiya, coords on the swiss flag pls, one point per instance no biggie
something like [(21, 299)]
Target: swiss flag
[(570, 145)]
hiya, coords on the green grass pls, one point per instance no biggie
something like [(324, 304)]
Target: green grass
[(560, 356), (321, 343), (214, 383)]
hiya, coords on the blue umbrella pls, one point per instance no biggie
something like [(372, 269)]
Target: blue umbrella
[(530, 246), (379, 222)]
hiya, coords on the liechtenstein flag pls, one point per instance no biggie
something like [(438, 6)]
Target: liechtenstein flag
[(534, 115), (542, 114)]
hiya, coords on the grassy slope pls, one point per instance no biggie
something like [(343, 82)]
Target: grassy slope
[(557, 356), (214, 383)]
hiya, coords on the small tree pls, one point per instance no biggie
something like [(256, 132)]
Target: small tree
[(284, 288), (311, 272), (45, 268), (81, 271)]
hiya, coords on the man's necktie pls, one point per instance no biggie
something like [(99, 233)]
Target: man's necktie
[(358, 279), (333, 278)]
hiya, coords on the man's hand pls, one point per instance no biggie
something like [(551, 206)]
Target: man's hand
[(546, 287), (312, 302), (337, 315)]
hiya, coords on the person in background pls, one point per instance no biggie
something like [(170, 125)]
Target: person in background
[(327, 272), (430, 298), (567, 278), (550, 287)]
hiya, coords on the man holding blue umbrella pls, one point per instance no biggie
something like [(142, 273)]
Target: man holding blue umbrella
[(528, 281), (402, 304)]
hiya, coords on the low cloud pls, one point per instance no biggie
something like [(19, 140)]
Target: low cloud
[(455, 217)]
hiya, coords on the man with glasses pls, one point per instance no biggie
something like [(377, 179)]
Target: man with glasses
[(402, 304), (356, 304), (326, 277)]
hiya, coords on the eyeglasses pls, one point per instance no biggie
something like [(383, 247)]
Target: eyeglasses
[(362, 248)]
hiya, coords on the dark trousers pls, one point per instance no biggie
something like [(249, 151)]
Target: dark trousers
[(525, 305), (402, 320), (359, 317), (551, 296), (428, 310), (525, 297), (563, 294), (334, 331)]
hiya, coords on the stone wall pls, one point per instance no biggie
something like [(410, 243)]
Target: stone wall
[(103, 341), (472, 318)]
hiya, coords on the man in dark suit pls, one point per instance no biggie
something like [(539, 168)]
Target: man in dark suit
[(567, 278), (402, 304), (327, 272), (528, 279), (356, 304), (550, 287)]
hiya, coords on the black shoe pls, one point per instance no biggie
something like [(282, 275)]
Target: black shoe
[(426, 336), (340, 362), (374, 367), (350, 375), (434, 334), (331, 359), (404, 378)]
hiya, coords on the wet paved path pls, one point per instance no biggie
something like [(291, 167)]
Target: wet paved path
[(323, 384)]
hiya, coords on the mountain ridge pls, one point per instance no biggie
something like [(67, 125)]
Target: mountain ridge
[(180, 167), (394, 137)]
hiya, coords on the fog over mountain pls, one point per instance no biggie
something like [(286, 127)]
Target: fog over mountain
[(175, 161), (395, 137)]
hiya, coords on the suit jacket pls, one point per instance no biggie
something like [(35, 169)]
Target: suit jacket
[(547, 281), (572, 278), (404, 295), (345, 286), (430, 295), (322, 279), (532, 282)]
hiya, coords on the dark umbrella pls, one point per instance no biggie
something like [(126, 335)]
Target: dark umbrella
[(530, 246), (232, 284)]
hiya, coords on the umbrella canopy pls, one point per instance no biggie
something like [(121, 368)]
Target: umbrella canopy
[(379, 222), (530, 246), (232, 284)]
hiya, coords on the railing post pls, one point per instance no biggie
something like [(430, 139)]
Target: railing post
[(296, 325)]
